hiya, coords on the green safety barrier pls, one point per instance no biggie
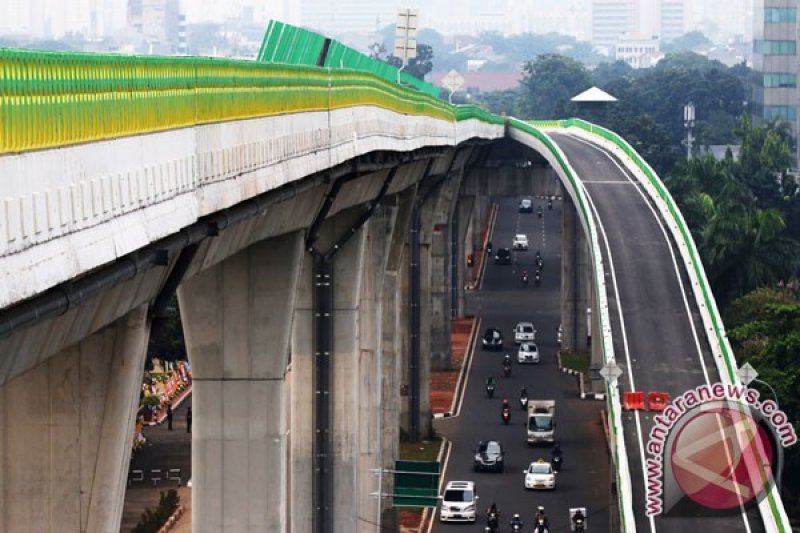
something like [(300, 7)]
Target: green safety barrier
[(50, 99), (284, 43)]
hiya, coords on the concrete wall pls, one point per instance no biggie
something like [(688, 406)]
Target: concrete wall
[(65, 211)]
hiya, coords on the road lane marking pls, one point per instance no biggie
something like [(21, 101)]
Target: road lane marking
[(658, 220), (623, 330)]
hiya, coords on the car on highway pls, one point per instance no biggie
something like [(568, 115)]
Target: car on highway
[(526, 205), (524, 331), (489, 456), (492, 339), (528, 353), (459, 502), (502, 256), (520, 242), (540, 475)]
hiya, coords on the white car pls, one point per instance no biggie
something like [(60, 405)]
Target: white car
[(528, 353), (540, 475), (459, 502), (520, 242), (524, 331)]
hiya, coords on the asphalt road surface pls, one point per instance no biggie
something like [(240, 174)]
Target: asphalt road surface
[(658, 335), (502, 302)]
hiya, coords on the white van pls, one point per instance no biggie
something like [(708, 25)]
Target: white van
[(459, 502)]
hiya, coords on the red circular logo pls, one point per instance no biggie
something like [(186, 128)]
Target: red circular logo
[(722, 458)]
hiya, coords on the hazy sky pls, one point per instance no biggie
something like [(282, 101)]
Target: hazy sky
[(54, 17)]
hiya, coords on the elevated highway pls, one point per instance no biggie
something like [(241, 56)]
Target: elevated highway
[(314, 224)]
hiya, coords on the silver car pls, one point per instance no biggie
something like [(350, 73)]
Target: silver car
[(528, 353), (524, 331)]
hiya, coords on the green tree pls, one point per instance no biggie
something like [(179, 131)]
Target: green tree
[(694, 40), (548, 83)]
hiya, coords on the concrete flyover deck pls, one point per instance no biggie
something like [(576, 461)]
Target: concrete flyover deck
[(658, 335)]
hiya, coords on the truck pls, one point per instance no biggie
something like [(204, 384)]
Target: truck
[(541, 421)]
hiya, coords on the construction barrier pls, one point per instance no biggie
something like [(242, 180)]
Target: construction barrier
[(657, 401), (633, 401)]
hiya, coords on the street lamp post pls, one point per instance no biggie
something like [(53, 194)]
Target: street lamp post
[(688, 123)]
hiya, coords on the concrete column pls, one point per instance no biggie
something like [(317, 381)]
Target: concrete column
[(574, 290), (394, 337), (437, 236), (65, 432), (464, 212), (237, 323)]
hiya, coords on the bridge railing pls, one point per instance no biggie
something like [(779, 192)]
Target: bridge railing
[(52, 99), (709, 312)]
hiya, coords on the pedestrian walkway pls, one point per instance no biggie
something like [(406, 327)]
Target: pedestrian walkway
[(164, 451)]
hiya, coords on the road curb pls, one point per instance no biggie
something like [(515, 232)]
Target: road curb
[(582, 394), (461, 383), (478, 281)]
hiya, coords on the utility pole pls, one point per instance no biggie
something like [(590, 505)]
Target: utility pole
[(688, 123)]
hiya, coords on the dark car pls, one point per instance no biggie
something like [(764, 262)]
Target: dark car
[(489, 456), (502, 256), (492, 339)]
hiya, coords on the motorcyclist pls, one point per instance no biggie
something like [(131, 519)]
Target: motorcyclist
[(541, 211), (490, 385), (538, 279), (523, 392), (492, 515), (489, 247), (524, 277), (505, 405), (516, 521), (558, 459), (549, 203), (578, 517), (540, 516)]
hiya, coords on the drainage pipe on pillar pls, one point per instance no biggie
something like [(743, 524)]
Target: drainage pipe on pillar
[(323, 346), (414, 323)]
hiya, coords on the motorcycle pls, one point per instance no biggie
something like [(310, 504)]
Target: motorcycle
[(541, 527), (523, 400), (490, 389), (549, 204), (506, 368), (541, 212), (579, 525), (525, 279), (492, 522), (557, 459), (537, 280), (489, 248), (516, 527), (539, 263), (505, 414), (577, 517)]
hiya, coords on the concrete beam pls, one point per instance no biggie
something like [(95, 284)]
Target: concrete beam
[(65, 433), (237, 336), (535, 180)]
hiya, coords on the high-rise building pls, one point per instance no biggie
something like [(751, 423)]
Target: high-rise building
[(664, 19), (775, 63), (159, 23), (337, 16), (611, 19)]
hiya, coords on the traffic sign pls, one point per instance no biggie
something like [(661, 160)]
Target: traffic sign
[(416, 484), (747, 373), (610, 372), (452, 81)]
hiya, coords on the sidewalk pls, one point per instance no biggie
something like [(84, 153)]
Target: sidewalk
[(164, 450)]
